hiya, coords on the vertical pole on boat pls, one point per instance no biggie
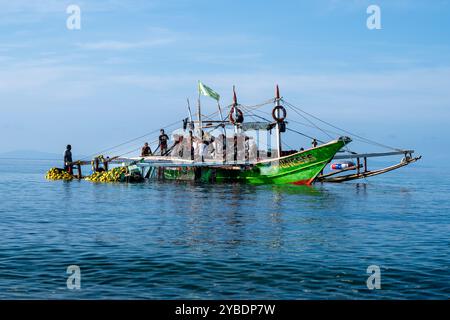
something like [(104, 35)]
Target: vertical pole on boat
[(189, 110), (235, 125), (224, 145), (221, 119), (277, 134), (199, 117), (257, 144), (235, 109)]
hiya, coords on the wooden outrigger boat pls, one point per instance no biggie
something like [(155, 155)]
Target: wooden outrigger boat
[(233, 151), (230, 149), (297, 168)]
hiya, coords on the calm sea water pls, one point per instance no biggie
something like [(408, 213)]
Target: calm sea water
[(198, 241)]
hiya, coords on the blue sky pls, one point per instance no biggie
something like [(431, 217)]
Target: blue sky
[(133, 63)]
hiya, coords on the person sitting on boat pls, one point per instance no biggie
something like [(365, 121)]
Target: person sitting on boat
[(146, 151), (213, 147), (314, 143), (203, 149), (220, 147), (68, 159), (252, 149), (196, 148), (177, 147), (163, 139)]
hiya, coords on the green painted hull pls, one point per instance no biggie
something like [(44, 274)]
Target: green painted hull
[(300, 168)]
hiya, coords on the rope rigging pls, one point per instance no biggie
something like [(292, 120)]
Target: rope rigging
[(362, 139), (127, 142), (251, 111), (292, 130)]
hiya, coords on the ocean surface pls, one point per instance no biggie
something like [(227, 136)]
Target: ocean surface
[(169, 240)]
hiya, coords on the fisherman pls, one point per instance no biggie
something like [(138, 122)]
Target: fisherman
[(213, 147), (195, 148), (203, 149), (163, 139), (177, 148), (146, 151), (314, 143), (68, 159), (252, 149), (191, 144), (246, 148), (180, 147)]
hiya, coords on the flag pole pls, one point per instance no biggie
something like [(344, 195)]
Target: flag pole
[(199, 113)]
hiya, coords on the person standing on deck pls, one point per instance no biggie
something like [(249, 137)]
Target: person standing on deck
[(314, 143), (213, 147), (196, 148), (191, 145), (163, 139), (221, 147), (146, 151), (68, 159)]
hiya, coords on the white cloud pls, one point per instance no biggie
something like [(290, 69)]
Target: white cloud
[(57, 6), (154, 37), (374, 100), (124, 45), (24, 12), (377, 93), (36, 6)]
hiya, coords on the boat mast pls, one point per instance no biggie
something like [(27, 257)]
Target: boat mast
[(199, 117), (277, 133), (235, 124), (189, 110), (235, 110)]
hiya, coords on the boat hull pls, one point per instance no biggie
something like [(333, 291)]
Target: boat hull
[(301, 168)]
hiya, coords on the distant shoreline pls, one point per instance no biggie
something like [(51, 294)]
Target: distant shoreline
[(30, 159)]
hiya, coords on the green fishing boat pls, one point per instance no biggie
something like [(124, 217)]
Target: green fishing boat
[(245, 144), (228, 149), (300, 168)]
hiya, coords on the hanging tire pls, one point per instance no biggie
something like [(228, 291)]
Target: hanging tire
[(240, 117), (275, 113)]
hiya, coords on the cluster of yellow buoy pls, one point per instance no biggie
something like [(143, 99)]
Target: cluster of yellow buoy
[(58, 174), (113, 175)]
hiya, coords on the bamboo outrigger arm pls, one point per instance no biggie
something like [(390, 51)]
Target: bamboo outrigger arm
[(369, 173), (370, 155)]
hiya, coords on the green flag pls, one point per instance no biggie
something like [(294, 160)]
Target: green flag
[(207, 91)]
